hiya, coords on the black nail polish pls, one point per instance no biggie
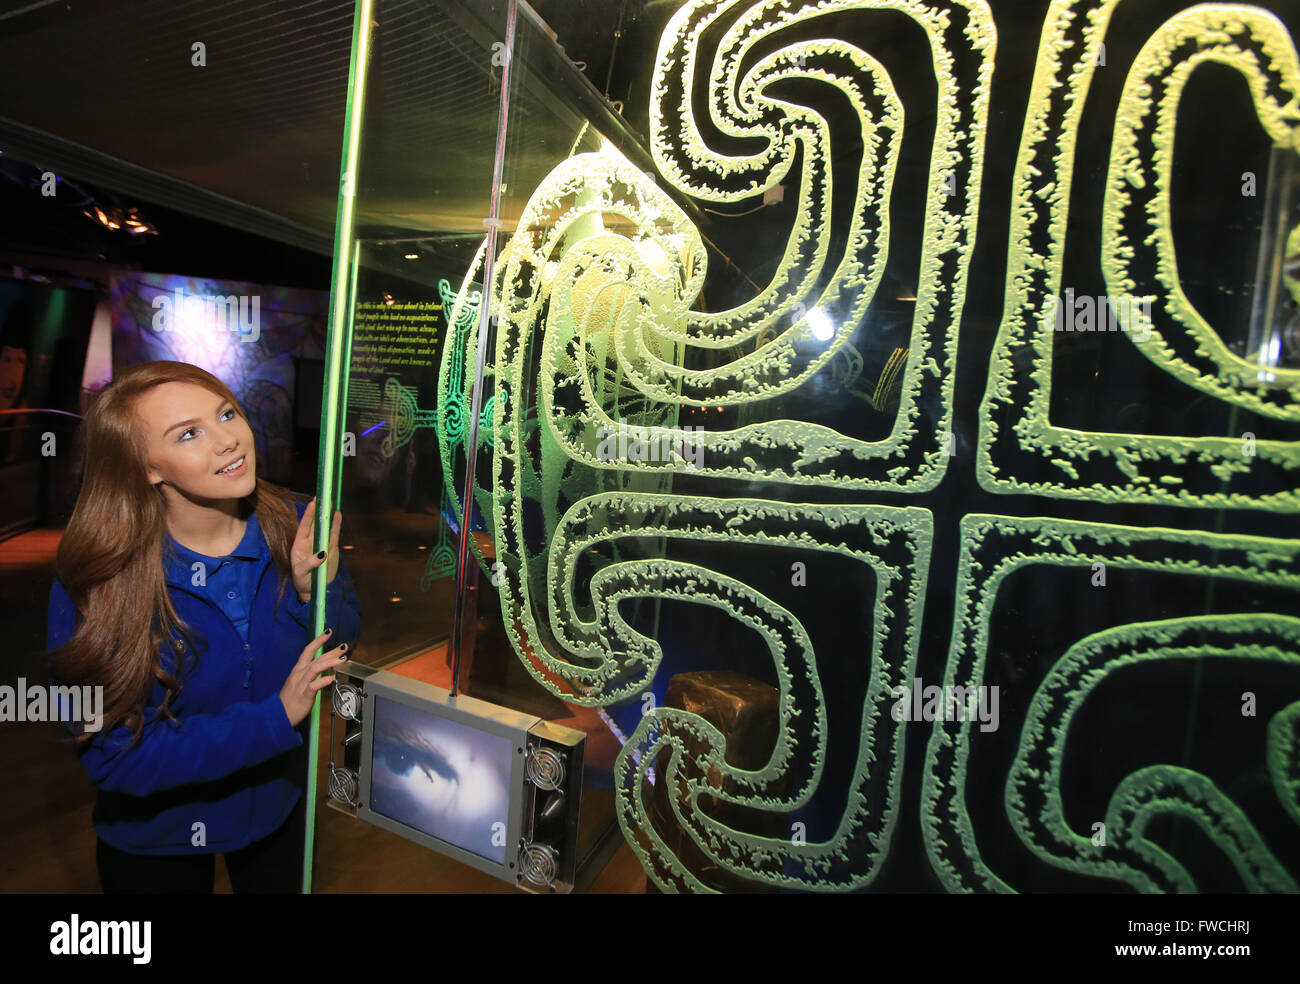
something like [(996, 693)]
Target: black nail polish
[(321, 555), (329, 631)]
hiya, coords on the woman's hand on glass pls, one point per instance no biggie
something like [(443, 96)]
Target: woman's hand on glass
[(299, 691), (304, 561)]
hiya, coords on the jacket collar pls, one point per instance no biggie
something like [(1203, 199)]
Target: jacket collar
[(177, 558)]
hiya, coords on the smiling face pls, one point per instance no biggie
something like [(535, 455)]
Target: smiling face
[(191, 436)]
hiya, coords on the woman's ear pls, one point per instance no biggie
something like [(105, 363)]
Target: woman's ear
[(151, 473)]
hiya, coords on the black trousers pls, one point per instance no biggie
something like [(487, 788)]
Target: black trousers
[(272, 865)]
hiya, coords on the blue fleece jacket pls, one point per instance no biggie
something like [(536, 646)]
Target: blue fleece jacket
[(230, 761)]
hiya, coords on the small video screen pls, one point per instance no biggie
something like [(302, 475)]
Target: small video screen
[(443, 778)]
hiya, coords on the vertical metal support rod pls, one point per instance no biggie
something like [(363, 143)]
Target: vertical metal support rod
[(338, 347), (484, 325), (1279, 199)]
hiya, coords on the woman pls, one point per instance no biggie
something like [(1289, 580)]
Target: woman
[(164, 596)]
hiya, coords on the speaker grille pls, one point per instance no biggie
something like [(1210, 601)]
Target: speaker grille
[(347, 701), (545, 768), (539, 863), (343, 785)]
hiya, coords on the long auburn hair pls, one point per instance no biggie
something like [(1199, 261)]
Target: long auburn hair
[(110, 557)]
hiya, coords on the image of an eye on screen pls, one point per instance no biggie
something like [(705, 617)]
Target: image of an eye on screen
[(443, 778)]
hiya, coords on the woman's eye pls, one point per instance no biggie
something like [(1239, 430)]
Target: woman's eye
[(190, 430), (398, 762)]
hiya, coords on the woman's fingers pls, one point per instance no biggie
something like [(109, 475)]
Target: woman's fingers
[(304, 524), (305, 527), (322, 683), (315, 644), (336, 655)]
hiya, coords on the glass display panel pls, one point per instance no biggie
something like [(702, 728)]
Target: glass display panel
[(886, 442)]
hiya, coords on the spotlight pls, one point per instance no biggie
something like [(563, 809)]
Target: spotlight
[(820, 325)]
